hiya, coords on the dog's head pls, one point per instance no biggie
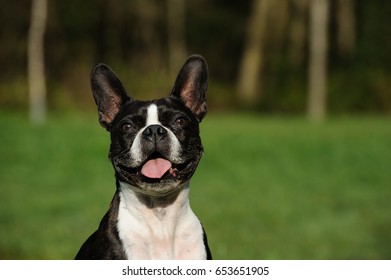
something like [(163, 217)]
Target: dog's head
[(155, 145)]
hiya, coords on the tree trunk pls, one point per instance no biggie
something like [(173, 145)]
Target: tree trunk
[(319, 14), (346, 34), (176, 34), (251, 65), (148, 13), (277, 23), (36, 61), (297, 34)]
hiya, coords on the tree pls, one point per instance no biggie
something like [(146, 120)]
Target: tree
[(148, 14), (319, 13), (251, 64), (346, 35), (297, 33), (176, 34), (36, 61)]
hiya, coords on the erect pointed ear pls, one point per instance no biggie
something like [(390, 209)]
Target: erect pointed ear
[(109, 93), (191, 85)]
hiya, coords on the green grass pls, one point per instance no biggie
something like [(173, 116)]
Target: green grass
[(267, 188)]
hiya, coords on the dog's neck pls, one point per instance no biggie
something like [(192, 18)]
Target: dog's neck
[(166, 209), (156, 227)]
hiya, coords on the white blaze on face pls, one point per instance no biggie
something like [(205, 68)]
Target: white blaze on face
[(152, 118)]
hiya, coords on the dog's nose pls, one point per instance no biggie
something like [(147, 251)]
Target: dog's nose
[(154, 133)]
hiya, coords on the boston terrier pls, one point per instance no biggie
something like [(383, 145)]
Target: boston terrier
[(155, 149)]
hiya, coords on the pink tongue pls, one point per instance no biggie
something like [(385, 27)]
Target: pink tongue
[(155, 168)]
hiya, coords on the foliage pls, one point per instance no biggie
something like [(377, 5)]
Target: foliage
[(267, 188), (82, 33)]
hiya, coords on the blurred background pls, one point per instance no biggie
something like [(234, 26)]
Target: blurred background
[(297, 140)]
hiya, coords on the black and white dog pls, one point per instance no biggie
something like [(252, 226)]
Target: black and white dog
[(155, 149)]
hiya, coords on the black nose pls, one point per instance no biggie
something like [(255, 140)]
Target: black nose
[(154, 133)]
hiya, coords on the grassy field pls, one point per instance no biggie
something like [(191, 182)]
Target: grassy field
[(267, 188)]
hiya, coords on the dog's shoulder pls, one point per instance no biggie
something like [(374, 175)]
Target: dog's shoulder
[(104, 243)]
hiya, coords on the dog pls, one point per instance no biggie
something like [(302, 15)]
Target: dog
[(155, 149)]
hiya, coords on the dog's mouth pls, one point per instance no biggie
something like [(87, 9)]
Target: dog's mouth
[(156, 168)]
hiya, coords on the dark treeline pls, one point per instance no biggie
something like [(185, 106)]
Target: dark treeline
[(145, 42)]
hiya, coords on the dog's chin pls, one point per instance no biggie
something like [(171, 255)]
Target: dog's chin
[(161, 188), (154, 187)]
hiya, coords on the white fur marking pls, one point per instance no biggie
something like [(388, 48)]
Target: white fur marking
[(173, 232), (152, 115)]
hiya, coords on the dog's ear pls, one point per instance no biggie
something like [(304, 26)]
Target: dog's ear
[(191, 85), (109, 93)]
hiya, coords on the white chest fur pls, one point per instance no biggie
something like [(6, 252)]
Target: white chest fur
[(170, 232)]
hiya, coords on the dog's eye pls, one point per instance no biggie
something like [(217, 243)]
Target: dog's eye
[(127, 127), (181, 122)]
